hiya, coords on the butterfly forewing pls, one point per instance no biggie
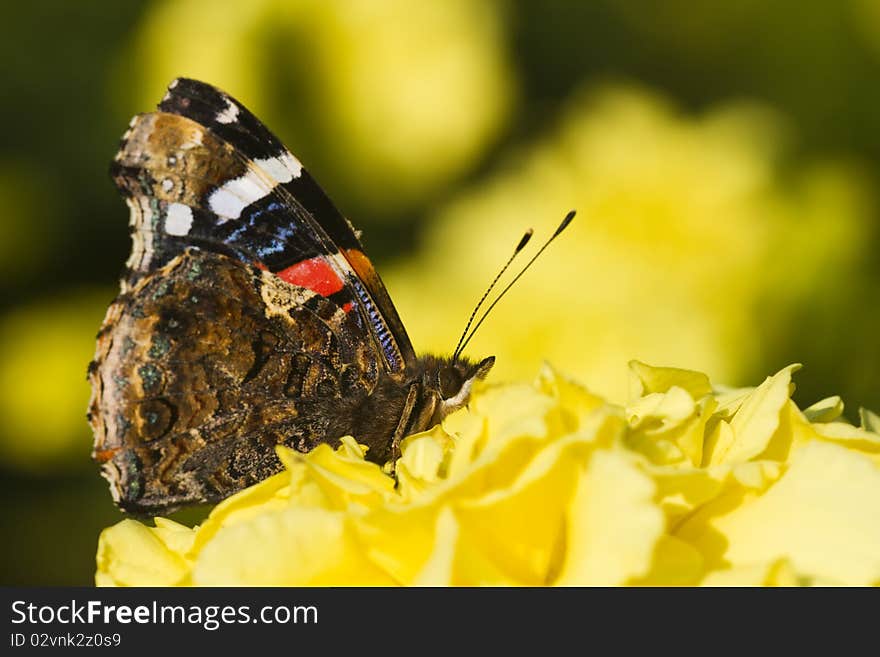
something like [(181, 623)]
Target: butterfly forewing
[(302, 197)]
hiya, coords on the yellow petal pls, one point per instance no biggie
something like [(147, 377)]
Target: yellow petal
[(646, 379), (730, 400), (691, 437), (399, 535), (509, 451), (438, 569), (131, 554), (779, 572), (342, 474), (291, 547), (849, 436), (793, 429), (757, 475), (674, 563), (400, 538), (470, 432), (176, 537), (423, 461), (519, 526), (826, 410), (455, 562), (514, 410), (755, 422), (254, 500), (822, 514), (660, 411), (657, 450), (670, 427), (499, 415), (613, 525), (575, 402), (680, 489), (473, 567), (870, 420)]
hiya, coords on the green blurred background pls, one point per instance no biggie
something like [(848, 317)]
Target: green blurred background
[(724, 158)]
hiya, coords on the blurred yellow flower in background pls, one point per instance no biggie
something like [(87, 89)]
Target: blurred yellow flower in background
[(44, 350), (547, 484), (25, 220), (398, 94), (693, 244)]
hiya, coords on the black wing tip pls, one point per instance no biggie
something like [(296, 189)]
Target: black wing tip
[(182, 82), (182, 91)]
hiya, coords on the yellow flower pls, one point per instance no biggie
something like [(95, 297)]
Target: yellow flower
[(548, 484)]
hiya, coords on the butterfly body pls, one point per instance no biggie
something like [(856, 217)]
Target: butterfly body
[(249, 317)]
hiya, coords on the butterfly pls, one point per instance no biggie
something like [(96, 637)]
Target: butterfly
[(248, 316)]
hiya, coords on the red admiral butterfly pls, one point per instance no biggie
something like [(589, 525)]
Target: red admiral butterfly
[(249, 316)]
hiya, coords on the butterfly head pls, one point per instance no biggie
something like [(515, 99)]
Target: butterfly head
[(456, 378), (450, 381)]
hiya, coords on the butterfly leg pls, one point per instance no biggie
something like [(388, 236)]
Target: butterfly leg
[(400, 431)]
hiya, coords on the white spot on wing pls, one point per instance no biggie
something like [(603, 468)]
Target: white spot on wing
[(178, 219), (228, 115), (167, 185), (282, 168), (235, 195)]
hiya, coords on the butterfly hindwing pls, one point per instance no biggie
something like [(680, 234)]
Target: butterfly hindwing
[(204, 366)]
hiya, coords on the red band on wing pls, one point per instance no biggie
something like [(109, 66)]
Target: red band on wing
[(316, 274)]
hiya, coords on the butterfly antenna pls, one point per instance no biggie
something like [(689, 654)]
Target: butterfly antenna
[(556, 234), (519, 247)]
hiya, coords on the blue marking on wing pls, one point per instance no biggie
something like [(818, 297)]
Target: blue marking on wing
[(386, 340), (265, 238)]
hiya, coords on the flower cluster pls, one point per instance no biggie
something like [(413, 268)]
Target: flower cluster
[(548, 484)]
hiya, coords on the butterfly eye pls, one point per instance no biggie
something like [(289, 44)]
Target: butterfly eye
[(448, 382)]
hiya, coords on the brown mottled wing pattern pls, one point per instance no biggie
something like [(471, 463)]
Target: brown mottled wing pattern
[(249, 316), (203, 367)]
